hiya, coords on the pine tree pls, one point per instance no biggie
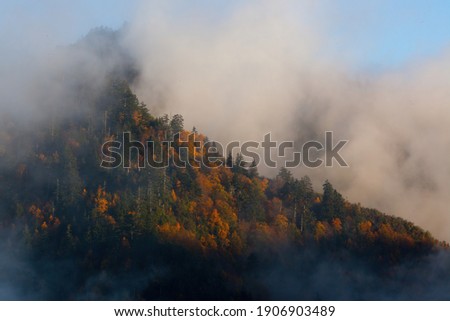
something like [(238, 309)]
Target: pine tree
[(332, 203), (177, 124), (253, 170)]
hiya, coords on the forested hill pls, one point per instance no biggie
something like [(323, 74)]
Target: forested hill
[(71, 229)]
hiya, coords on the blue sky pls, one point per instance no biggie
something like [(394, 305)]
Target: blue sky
[(75, 18), (390, 33), (371, 33)]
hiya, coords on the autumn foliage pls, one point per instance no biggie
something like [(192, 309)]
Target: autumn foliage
[(189, 228)]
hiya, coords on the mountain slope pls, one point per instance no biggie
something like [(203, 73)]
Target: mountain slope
[(71, 229)]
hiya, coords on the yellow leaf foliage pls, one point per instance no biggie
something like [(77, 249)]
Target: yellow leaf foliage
[(320, 231)]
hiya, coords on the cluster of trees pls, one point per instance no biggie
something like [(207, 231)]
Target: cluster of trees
[(194, 232)]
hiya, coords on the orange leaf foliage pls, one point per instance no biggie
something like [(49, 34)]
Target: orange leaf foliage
[(337, 225)]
